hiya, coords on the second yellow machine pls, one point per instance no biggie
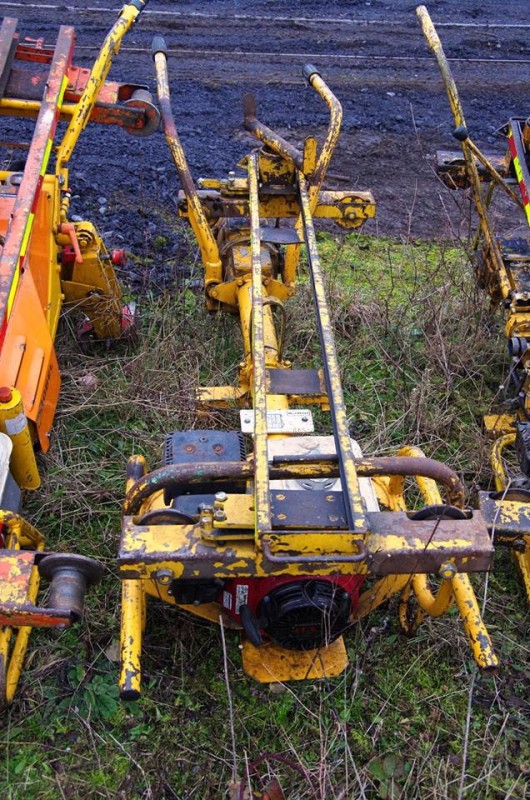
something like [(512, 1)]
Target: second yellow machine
[(284, 535), (48, 262)]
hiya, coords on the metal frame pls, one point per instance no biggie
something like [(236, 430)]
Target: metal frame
[(502, 268), (45, 262), (244, 534)]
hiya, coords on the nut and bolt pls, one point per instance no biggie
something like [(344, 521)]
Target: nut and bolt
[(447, 571), (219, 515), (206, 517), (163, 576)]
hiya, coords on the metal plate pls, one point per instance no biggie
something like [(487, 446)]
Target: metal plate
[(506, 518), (280, 236), (270, 663), (295, 381), (293, 420), (303, 509), (399, 545)]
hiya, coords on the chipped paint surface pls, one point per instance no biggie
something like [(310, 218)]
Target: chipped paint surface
[(246, 275)]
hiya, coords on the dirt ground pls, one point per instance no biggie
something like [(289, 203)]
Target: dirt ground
[(373, 55)]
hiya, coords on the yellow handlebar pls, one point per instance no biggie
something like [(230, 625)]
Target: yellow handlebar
[(433, 40), (100, 70), (335, 121), (278, 143)]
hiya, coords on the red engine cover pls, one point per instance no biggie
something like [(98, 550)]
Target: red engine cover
[(251, 591)]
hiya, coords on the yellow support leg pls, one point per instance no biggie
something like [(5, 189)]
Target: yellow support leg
[(12, 658), (523, 562), (132, 618), (474, 627)]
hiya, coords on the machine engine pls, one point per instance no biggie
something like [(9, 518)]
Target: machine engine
[(295, 613)]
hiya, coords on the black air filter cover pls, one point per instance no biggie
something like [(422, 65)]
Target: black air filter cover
[(199, 447), (305, 614)]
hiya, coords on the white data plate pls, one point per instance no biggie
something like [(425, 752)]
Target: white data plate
[(293, 420)]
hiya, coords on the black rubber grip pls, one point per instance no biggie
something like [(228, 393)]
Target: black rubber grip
[(158, 45), (309, 70), (461, 133)]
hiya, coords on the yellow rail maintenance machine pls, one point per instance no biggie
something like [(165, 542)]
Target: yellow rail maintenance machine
[(46, 261), (296, 539), (503, 269)]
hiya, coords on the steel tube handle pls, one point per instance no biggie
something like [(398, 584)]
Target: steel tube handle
[(317, 83), (433, 40), (279, 145), (331, 558), (199, 223), (126, 19)]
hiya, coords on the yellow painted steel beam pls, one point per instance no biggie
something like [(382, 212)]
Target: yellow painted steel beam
[(468, 151), (292, 252), (199, 223), (354, 504), (474, 627), (497, 463), (98, 74), (20, 533), (259, 391), (132, 611)]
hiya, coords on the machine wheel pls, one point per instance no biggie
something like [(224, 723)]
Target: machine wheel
[(165, 516), (141, 98)]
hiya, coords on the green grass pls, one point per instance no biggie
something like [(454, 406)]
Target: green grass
[(422, 360)]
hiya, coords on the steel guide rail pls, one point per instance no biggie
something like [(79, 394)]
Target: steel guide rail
[(261, 464), (348, 474)]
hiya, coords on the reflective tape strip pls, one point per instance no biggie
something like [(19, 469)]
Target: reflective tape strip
[(31, 217), (519, 174)]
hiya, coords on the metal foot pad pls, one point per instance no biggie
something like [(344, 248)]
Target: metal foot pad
[(272, 664)]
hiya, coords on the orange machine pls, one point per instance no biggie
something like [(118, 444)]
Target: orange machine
[(47, 261)]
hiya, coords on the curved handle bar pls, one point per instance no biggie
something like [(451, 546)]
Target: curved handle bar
[(315, 80), (279, 145), (435, 45), (332, 558), (126, 19), (199, 223)]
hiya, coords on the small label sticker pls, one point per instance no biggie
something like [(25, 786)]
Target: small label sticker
[(292, 420), (241, 596), (227, 600), (16, 425)]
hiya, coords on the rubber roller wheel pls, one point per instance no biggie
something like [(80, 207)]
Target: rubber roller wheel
[(69, 577), (143, 99), (438, 512)]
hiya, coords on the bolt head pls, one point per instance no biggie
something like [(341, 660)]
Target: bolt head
[(221, 497), (163, 576), (448, 571)]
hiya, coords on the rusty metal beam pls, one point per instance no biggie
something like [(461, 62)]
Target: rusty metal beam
[(341, 433), (259, 389), (282, 469), (19, 231), (8, 43)]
